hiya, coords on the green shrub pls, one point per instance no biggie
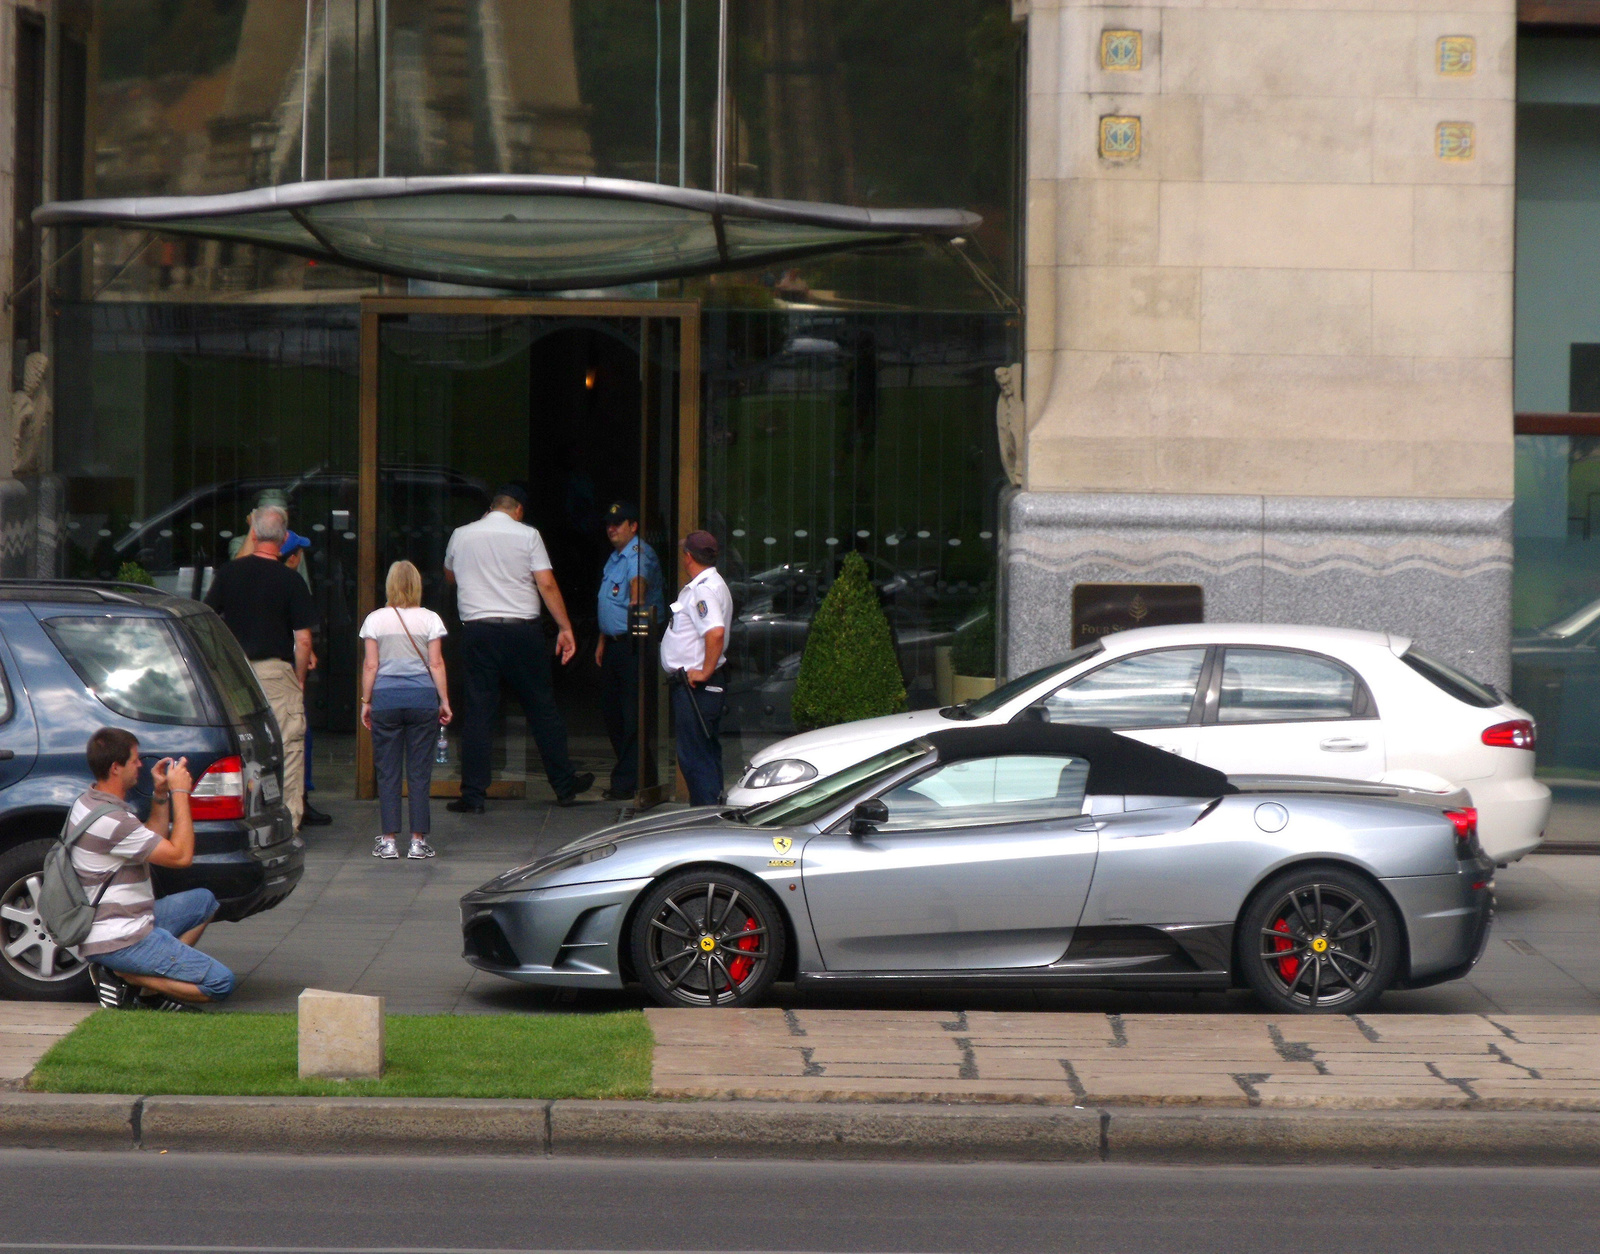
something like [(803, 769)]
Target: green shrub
[(972, 653), (132, 572), (849, 669)]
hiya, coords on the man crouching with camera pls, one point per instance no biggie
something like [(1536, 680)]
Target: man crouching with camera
[(141, 950)]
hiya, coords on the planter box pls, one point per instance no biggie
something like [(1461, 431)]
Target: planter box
[(969, 687)]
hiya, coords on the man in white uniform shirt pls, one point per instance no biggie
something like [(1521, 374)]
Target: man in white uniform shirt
[(501, 572), (691, 652)]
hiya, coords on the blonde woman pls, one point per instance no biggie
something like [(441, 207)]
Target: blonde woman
[(404, 701)]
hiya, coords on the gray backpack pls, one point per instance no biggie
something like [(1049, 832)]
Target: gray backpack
[(63, 906)]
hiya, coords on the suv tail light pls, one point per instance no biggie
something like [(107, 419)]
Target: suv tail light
[(219, 792), (1466, 825), (1517, 734)]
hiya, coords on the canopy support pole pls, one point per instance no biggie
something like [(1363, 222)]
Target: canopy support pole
[(719, 173)]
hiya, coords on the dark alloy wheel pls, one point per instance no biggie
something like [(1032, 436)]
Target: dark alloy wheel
[(32, 966), (1319, 941), (710, 937)]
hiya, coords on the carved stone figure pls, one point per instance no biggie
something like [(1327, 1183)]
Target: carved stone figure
[(1011, 421), (30, 417)]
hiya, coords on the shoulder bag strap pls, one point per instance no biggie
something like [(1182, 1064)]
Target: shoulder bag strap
[(409, 636), (77, 830)]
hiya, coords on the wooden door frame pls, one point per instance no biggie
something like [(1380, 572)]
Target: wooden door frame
[(374, 308)]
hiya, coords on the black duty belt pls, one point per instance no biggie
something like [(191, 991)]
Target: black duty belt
[(504, 622)]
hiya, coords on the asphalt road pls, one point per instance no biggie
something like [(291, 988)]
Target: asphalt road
[(142, 1201)]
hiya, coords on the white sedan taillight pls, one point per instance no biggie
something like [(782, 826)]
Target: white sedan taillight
[(1517, 734)]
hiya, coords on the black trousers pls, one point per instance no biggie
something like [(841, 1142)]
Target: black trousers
[(519, 655), (619, 703)]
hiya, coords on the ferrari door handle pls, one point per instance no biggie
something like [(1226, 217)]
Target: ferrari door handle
[(1091, 825), (1343, 744)]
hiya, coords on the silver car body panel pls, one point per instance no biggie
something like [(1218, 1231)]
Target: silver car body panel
[(1136, 891)]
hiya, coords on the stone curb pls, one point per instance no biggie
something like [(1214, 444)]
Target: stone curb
[(774, 1130)]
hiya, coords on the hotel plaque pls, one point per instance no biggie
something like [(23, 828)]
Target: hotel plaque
[(1099, 609)]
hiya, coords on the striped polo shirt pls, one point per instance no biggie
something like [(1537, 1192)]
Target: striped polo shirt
[(118, 846)]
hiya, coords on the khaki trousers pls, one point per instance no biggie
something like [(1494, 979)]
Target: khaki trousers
[(288, 704)]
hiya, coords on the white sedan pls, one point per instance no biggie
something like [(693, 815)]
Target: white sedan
[(1249, 700)]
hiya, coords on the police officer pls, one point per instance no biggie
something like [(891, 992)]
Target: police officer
[(632, 577), (691, 652)]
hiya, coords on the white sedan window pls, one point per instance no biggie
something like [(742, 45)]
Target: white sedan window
[(1281, 685), (1015, 789), (1145, 690)]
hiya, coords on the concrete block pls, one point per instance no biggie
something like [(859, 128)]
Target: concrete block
[(1257, 139), (1258, 52), (1300, 226), (351, 1125), (1442, 314), (1464, 227), (818, 1130), (1286, 312), (341, 1036), (67, 1120), (1132, 309)]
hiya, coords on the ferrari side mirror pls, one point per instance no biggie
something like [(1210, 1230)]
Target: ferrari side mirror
[(866, 814)]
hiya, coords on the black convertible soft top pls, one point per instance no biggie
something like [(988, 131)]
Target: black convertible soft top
[(1117, 764)]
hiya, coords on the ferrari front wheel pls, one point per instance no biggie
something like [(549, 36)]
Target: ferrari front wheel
[(1319, 940), (704, 938)]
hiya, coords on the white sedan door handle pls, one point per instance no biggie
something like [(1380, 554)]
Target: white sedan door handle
[(1343, 744)]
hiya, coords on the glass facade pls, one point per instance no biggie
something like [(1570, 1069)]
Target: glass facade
[(847, 401), (1556, 590)]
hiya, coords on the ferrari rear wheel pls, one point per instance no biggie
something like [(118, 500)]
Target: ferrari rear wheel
[(1319, 941), (711, 937)]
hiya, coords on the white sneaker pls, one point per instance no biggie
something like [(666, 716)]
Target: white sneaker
[(383, 847), (420, 849)]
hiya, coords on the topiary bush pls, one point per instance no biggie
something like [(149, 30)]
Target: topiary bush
[(972, 652), (132, 572), (849, 669)]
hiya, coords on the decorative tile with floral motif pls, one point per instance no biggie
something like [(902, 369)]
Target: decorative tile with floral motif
[(1455, 141), (1121, 50), (1120, 138), (1458, 55)]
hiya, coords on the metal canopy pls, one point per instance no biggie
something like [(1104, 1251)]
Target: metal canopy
[(523, 232)]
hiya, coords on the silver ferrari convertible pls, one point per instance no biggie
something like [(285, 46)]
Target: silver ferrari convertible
[(1038, 855)]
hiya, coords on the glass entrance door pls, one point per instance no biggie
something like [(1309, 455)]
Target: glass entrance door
[(580, 404)]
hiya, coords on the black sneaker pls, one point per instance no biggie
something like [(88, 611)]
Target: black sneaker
[(310, 816), (462, 806), (619, 794), (580, 785), (111, 990), (160, 1001)]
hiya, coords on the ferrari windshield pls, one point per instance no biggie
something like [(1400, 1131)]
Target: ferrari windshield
[(817, 799)]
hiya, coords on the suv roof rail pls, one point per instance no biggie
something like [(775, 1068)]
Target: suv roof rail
[(105, 590)]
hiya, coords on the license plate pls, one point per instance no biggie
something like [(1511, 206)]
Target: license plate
[(270, 790)]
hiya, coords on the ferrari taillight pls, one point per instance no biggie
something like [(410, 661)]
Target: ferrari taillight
[(1465, 821)]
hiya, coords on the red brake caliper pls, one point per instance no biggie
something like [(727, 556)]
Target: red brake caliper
[(741, 967), (1286, 966)]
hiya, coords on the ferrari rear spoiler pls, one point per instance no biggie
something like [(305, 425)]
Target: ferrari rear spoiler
[(1452, 800)]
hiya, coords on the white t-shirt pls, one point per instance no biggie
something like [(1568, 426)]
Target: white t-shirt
[(116, 847), (703, 604), (403, 675), (494, 560)]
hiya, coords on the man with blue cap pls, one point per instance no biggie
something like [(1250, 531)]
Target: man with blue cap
[(632, 578)]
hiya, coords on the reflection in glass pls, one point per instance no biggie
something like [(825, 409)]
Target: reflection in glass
[(1275, 685), (989, 790), (1146, 690), (131, 664)]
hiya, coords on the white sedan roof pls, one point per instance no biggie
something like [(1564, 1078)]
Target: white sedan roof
[(1321, 639)]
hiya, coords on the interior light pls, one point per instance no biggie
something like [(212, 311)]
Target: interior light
[(588, 378)]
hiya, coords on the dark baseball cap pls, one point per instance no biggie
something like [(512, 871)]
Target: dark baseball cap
[(621, 512), (515, 491), (702, 546)]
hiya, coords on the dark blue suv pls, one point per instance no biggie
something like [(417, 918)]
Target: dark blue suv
[(79, 655)]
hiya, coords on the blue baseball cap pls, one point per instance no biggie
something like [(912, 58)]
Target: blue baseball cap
[(292, 543)]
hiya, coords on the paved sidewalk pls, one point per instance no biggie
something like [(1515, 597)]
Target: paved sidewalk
[(1417, 1062), (27, 1031)]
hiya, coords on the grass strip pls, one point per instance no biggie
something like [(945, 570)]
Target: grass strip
[(537, 1056)]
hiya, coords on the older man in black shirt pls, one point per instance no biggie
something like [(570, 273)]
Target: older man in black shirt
[(269, 609)]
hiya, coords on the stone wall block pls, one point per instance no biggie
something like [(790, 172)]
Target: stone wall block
[(1296, 226), (1132, 309), (1225, 51), (1107, 222), (1287, 139), (1464, 228), (1406, 145), (1286, 311), (1441, 314), (1495, 55)]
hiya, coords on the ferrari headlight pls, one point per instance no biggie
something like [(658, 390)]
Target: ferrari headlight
[(783, 771)]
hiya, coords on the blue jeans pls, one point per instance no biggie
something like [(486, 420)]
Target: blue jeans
[(699, 757), (403, 744), (162, 953)]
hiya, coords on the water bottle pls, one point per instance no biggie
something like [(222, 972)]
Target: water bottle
[(441, 748)]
